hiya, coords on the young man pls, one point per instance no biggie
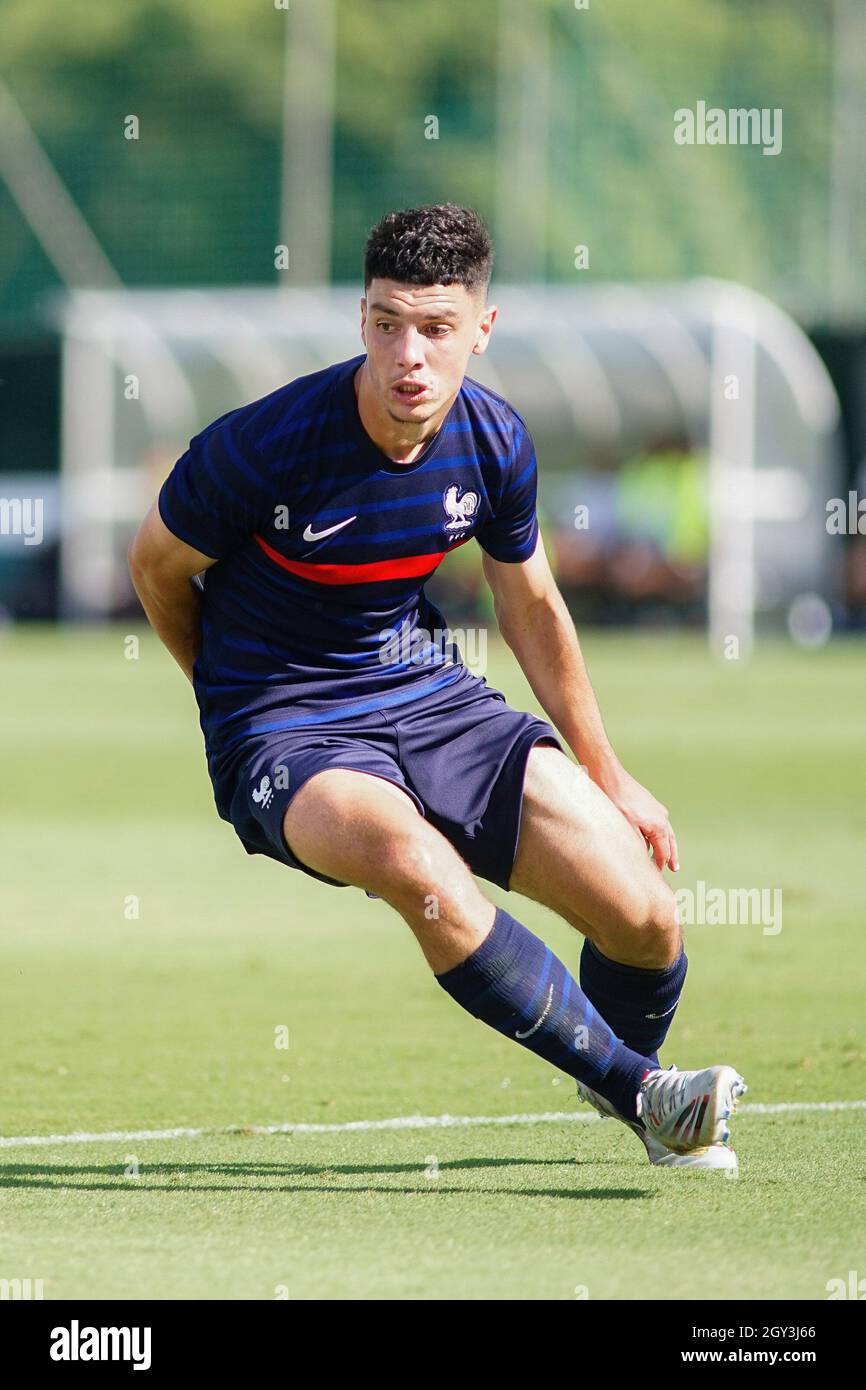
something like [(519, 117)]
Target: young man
[(344, 740)]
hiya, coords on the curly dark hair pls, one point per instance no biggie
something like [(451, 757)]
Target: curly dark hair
[(439, 244)]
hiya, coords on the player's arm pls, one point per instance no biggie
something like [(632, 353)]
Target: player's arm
[(162, 568), (535, 622)]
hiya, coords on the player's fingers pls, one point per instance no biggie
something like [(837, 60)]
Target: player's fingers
[(658, 838), (675, 854)]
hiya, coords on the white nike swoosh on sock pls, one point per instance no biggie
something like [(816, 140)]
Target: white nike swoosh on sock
[(666, 1012), (536, 1026)]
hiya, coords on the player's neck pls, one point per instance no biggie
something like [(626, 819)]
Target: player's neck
[(401, 441)]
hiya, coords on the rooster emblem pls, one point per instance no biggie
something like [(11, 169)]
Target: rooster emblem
[(263, 794), (460, 509)]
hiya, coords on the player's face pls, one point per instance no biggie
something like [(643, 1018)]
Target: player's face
[(419, 339)]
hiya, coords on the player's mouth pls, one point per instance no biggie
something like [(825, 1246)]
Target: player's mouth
[(410, 392)]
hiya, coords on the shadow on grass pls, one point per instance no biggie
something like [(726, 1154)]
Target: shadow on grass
[(186, 1178)]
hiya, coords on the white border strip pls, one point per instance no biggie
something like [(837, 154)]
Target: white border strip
[(123, 1136)]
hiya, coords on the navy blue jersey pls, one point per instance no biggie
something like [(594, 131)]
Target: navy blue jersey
[(316, 608)]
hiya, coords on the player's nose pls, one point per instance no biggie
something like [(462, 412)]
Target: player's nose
[(410, 352)]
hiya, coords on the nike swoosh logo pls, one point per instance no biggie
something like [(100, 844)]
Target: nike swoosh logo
[(311, 535), (665, 1014), (536, 1027)]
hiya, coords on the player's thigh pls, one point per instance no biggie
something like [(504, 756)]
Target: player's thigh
[(362, 829), (578, 855)]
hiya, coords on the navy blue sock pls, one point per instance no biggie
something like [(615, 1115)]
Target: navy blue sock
[(515, 983), (638, 1004)]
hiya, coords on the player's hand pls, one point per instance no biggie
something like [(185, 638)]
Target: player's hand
[(646, 815)]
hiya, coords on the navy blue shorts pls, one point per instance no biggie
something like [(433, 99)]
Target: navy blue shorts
[(459, 753)]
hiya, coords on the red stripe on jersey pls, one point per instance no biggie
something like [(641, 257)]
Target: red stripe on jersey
[(409, 567)]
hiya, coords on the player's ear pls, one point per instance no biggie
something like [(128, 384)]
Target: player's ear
[(484, 329), (363, 319)]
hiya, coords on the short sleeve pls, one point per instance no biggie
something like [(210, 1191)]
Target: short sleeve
[(217, 493), (511, 533)]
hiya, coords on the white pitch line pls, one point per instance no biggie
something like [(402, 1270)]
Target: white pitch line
[(123, 1136)]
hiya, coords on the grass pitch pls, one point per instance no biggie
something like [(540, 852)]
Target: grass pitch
[(148, 964)]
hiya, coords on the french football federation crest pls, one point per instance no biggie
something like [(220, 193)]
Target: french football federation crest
[(263, 794), (460, 509)]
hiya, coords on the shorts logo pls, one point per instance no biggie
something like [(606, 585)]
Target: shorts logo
[(460, 508), (263, 795)]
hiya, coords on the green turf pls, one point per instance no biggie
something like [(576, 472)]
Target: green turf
[(169, 1019)]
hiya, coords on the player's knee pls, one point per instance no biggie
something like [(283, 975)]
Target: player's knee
[(413, 862), (434, 892), (660, 936)]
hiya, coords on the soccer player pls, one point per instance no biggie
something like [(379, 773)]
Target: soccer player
[(346, 739)]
